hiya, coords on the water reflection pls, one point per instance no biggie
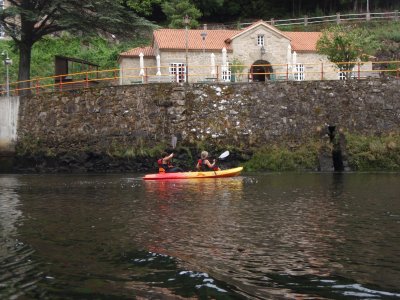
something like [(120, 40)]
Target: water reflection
[(9, 212), (19, 274)]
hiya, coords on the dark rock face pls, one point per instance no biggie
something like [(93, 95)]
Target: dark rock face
[(120, 128)]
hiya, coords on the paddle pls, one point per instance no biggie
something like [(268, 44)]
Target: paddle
[(224, 155), (174, 140)]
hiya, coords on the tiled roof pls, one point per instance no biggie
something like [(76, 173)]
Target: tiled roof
[(175, 39), (255, 24), (147, 52), (303, 41)]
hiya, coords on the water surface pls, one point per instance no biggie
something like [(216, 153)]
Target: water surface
[(258, 236)]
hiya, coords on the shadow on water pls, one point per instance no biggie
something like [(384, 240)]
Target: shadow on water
[(260, 236)]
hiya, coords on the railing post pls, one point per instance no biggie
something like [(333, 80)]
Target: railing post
[(358, 70), (322, 71), (396, 15), (338, 18), (145, 75), (287, 72), (272, 21), (60, 84), (87, 80), (37, 87), (368, 16), (305, 20)]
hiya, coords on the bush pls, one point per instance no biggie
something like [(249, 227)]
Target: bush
[(281, 158), (373, 153)]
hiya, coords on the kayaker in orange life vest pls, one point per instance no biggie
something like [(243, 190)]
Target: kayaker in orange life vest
[(203, 164), (165, 165)]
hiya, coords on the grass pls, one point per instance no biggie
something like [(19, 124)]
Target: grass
[(374, 153), (280, 158)]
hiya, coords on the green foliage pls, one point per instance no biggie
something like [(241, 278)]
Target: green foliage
[(209, 7), (95, 50), (372, 153), (345, 46), (28, 145), (176, 10), (280, 158), (142, 7), (118, 150), (385, 31), (8, 46), (236, 66), (37, 19)]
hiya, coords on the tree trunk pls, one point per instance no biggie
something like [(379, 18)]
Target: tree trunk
[(24, 67)]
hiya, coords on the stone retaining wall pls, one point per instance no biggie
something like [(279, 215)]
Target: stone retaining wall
[(242, 116)]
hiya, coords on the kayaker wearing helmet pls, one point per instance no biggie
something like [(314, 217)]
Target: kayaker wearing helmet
[(165, 165), (203, 164)]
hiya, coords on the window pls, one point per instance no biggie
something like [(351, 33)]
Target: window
[(343, 74), (178, 70), (260, 40), (298, 72), (226, 75)]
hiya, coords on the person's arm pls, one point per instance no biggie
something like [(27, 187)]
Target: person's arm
[(168, 158), (210, 165)]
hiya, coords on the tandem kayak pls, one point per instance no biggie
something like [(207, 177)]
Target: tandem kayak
[(195, 175)]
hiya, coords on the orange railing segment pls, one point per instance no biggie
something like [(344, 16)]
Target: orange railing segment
[(201, 73)]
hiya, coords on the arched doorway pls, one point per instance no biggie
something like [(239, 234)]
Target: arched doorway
[(261, 70)]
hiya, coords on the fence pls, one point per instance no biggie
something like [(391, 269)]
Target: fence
[(337, 18), (208, 74)]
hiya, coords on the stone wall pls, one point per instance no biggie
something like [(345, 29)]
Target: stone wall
[(242, 116)]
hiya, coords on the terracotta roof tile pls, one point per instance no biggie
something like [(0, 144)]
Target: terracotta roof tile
[(147, 52), (176, 39), (303, 41)]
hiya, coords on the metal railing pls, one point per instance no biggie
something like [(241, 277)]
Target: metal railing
[(206, 74)]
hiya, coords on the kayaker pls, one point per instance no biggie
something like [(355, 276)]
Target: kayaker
[(203, 164), (165, 164)]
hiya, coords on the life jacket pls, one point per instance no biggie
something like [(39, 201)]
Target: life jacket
[(162, 168), (204, 167)]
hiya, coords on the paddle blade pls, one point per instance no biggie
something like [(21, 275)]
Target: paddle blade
[(174, 139), (223, 155)]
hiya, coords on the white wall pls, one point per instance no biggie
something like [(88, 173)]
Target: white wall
[(9, 107)]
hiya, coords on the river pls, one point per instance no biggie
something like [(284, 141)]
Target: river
[(257, 236)]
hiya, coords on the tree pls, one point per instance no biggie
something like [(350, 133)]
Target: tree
[(28, 21), (143, 7), (344, 46), (175, 10)]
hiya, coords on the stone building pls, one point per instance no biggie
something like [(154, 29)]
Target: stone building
[(257, 53)]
